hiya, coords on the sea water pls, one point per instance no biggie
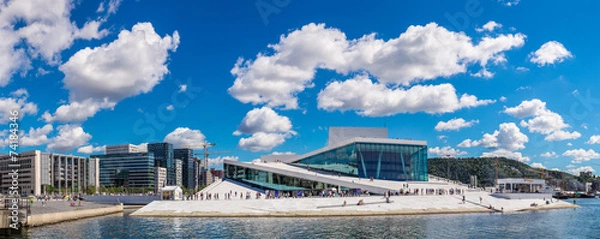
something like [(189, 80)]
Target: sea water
[(562, 223)]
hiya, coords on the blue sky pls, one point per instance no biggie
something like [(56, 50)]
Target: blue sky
[(507, 78)]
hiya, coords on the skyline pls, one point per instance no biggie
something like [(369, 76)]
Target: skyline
[(474, 78)]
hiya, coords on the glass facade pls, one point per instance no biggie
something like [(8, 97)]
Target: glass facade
[(132, 170), (272, 181), (163, 155), (190, 167), (372, 160)]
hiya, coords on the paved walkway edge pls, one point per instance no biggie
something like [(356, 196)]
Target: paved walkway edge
[(326, 213), (51, 218)]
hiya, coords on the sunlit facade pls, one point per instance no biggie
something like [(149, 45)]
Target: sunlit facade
[(375, 157)]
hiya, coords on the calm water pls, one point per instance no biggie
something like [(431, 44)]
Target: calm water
[(564, 223)]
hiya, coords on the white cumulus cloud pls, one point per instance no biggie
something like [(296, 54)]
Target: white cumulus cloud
[(580, 155), (508, 137), (594, 139), (445, 151), (455, 124), (506, 154), (38, 29), (489, 26), (549, 155), (376, 99), (69, 138), (90, 149), (267, 129), (97, 78), (17, 102), (183, 137), (576, 171), (218, 161), (538, 165), (550, 53), (420, 53), (543, 120), (36, 137)]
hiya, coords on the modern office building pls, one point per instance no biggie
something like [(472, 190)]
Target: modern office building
[(122, 149), (128, 170), (189, 167), (39, 173), (205, 178), (178, 172), (163, 156), (160, 175), (359, 153)]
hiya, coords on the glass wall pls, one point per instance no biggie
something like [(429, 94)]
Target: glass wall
[(133, 170), (372, 160), (272, 181)]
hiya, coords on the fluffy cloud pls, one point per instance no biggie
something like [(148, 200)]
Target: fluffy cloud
[(420, 53), (507, 137), (218, 161), (375, 99), (36, 137), (45, 28), (544, 121), (69, 138), (446, 151), (562, 135), (490, 26), (595, 139), (184, 137), (580, 155), (90, 149), (98, 78), (263, 120), (550, 53), (549, 155), (506, 154), (267, 128), (262, 141), (538, 165), (455, 124), (18, 101), (576, 171)]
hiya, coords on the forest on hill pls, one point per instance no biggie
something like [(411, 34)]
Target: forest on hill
[(461, 169)]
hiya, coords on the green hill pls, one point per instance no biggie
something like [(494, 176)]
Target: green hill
[(462, 168)]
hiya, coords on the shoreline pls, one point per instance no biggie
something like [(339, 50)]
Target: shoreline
[(332, 207), (36, 220)]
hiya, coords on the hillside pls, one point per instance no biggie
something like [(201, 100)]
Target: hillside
[(462, 168)]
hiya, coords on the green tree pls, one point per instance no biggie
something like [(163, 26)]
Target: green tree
[(50, 189), (91, 190)]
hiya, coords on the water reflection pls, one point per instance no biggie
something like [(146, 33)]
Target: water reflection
[(567, 223)]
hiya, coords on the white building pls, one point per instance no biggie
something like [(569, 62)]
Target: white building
[(178, 172), (37, 171), (160, 175), (122, 149)]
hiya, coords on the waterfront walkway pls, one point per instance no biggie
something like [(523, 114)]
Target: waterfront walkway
[(63, 206), (319, 206)]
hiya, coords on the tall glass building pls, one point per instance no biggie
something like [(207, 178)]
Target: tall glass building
[(189, 167), (129, 170), (163, 155), (360, 153)]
